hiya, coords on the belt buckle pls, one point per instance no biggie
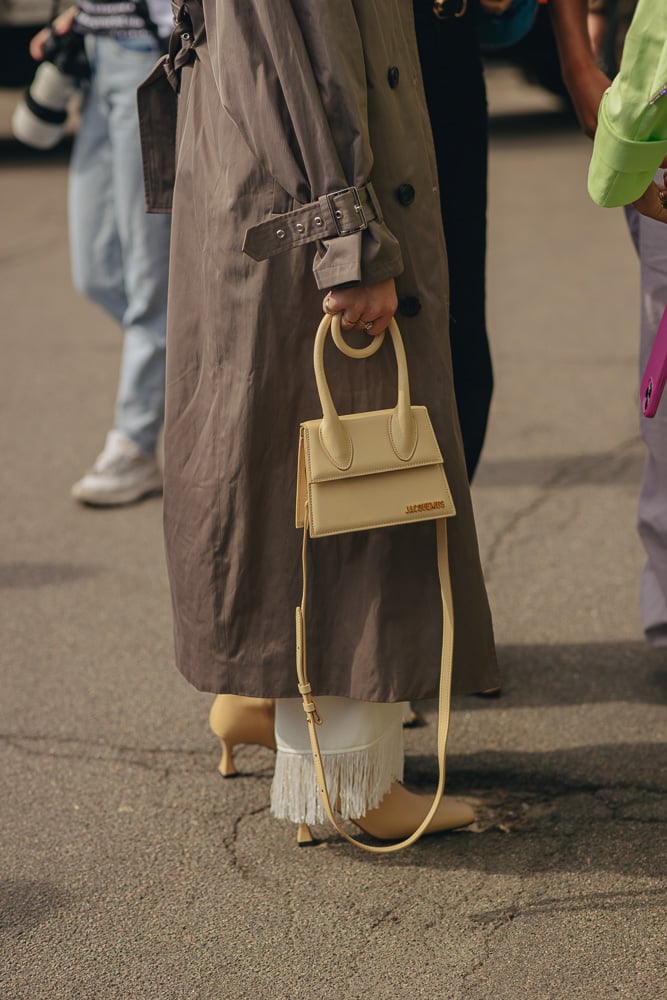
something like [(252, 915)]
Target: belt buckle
[(336, 214), (442, 12)]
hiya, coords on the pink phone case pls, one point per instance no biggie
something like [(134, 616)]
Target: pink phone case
[(655, 373)]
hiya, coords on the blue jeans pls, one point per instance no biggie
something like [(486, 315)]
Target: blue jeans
[(120, 255)]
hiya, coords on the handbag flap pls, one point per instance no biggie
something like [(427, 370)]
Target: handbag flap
[(372, 451)]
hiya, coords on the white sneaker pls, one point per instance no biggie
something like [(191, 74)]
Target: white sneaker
[(122, 473)]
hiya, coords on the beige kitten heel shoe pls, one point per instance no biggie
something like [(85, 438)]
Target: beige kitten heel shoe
[(400, 813), (235, 719)]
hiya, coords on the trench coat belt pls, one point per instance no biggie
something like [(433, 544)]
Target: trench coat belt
[(191, 11), (189, 32), (340, 213), (157, 106)]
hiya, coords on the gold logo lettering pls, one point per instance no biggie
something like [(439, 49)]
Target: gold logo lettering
[(417, 508)]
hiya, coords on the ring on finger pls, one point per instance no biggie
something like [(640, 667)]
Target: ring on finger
[(369, 326)]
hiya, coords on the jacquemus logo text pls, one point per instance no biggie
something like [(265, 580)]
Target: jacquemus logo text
[(417, 508)]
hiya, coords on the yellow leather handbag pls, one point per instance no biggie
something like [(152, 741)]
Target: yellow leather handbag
[(371, 470)]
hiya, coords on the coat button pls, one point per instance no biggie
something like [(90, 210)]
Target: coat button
[(405, 194), (392, 77), (408, 305)]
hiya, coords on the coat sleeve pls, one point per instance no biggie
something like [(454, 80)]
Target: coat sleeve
[(631, 138), (291, 75)]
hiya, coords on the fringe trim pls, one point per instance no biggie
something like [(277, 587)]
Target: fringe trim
[(357, 780)]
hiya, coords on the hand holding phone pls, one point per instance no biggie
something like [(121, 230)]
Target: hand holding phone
[(655, 373)]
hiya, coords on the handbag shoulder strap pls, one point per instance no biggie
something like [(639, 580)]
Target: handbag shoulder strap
[(444, 697)]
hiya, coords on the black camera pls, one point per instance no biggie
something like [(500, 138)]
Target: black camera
[(40, 117), (68, 54)]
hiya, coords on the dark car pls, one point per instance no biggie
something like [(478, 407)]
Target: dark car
[(536, 55), (19, 21)]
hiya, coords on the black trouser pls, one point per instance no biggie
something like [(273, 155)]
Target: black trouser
[(456, 97)]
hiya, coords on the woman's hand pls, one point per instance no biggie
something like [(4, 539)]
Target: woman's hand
[(586, 87), (652, 203), (364, 307), (62, 24)]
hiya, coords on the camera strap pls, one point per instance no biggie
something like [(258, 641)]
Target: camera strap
[(141, 7)]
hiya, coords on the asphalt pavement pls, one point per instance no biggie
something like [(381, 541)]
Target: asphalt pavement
[(129, 870)]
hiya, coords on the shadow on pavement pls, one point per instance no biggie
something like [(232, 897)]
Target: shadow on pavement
[(610, 902), (28, 576), (593, 801), (622, 466), (25, 904), (591, 809), (523, 124), (574, 674)]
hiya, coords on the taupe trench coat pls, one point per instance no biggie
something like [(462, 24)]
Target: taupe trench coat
[(285, 101)]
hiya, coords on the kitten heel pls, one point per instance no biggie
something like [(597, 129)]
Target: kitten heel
[(304, 837), (235, 719), (226, 767)]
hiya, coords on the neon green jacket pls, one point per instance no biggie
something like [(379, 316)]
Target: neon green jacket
[(631, 138)]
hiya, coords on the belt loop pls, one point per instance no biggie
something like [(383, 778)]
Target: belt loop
[(374, 203)]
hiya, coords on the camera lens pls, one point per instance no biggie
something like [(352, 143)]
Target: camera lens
[(39, 118)]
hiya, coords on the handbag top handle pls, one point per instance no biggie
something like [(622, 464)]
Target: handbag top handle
[(402, 425)]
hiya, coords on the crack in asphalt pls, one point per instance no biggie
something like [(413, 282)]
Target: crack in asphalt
[(531, 817), (615, 459), (494, 793), (638, 899), (231, 841), (97, 750), (386, 916), (497, 920)]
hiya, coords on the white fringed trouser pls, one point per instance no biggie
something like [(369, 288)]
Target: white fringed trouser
[(362, 752)]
